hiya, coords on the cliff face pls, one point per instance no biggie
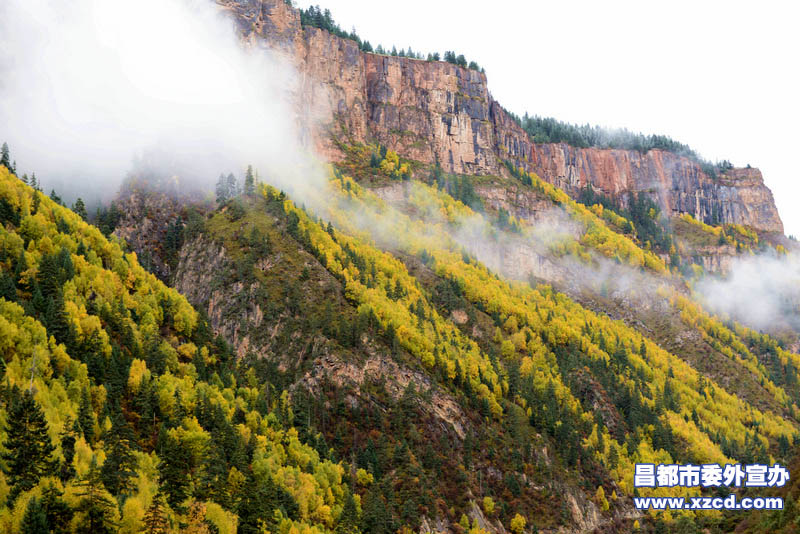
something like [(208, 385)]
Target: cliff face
[(424, 110), (436, 111), (677, 183)]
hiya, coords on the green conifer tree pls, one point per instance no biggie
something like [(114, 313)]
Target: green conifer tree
[(8, 289), (57, 511), (221, 190), (249, 181), (67, 470), (95, 505), (35, 520), (80, 208), (5, 156), (86, 416), (119, 469), (20, 267), (155, 518), (174, 469), (28, 449), (348, 520)]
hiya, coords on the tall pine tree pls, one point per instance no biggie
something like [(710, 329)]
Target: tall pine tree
[(57, 511), (348, 520), (119, 469), (80, 208), (28, 446), (5, 156), (96, 506), (35, 520), (176, 462), (249, 181), (221, 190), (86, 416), (155, 518)]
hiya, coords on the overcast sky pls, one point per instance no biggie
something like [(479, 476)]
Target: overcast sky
[(721, 77)]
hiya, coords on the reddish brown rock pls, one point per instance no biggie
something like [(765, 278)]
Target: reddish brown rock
[(435, 111), (678, 183)]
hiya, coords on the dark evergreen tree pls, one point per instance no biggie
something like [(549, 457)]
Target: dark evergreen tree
[(5, 156), (119, 469), (375, 517), (174, 238), (57, 321), (28, 448), (212, 482), (8, 214), (249, 181), (95, 505), (39, 304), (176, 462), (67, 471), (35, 520), (348, 520), (107, 219), (86, 416), (80, 208), (47, 277), (56, 509), (259, 501), (8, 289), (20, 267), (155, 518), (55, 198)]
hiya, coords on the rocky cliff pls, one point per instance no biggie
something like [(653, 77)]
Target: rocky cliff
[(436, 111), (676, 182)]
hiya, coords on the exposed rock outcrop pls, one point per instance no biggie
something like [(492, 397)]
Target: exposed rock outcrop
[(677, 183), (234, 310), (146, 214), (436, 111)]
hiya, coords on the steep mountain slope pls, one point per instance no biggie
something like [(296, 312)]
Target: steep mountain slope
[(359, 385), (402, 356), (139, 399), (459, 331), (313, 299)]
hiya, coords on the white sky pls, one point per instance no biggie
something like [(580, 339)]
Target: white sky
[(721, 77)]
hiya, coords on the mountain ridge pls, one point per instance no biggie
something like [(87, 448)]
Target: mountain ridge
[(437, 112)]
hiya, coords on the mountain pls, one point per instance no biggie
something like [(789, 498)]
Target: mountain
[(339, 317), (457, 329), (435, 111), (399, 370), (137, 398)]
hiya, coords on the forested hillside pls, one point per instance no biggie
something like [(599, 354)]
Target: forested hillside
[(122, 412), (401, 308), (363, 373), (458, 398)]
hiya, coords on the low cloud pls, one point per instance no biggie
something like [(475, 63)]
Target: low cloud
[(87, 86), (762, 292)]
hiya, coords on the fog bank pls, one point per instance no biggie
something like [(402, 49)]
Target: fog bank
[(762, 292), (89, 85)]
